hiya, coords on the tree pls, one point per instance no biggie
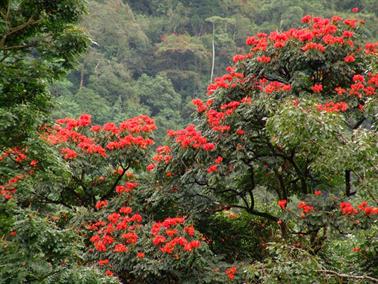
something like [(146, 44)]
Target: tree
[(274, 182), (39, 43), (293, 117)]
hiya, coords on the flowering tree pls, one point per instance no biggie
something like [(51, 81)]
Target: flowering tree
[(281, 159), (294, 117)]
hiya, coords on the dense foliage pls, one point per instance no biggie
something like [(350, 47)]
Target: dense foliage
[(275, 179), (39, 43), (139, 45)]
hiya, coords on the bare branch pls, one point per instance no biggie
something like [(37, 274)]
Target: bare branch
[(344, 275)]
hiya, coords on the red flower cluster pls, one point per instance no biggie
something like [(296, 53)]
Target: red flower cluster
[(127, 187), (68, 153), (172, 233), (349, 59), (230, 272), (282, 203), (317, 88), (314, 46), (229, 80), (318, 34), (347, 209), (84, 137), (101, 203), (190, 137), (333, 107), (118, 231), (263, 59), (18, 158), (8, 189), (273, 86), (361, 87), (241, 57), (305, 207)]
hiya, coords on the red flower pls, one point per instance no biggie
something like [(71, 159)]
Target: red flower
[(102, 262), (340, 90), (305, 207), (317, 88), (100, 246), (208, 147), (113, 218), (125, 210), (171, 232), (218, 160), (101, 203), (96, 128), (68, 154), (358, 78), (189, 230), (120, 248), (195, 244), (263, 59), (318, 192), (240, 132), (158, 240), (108, 273), (347, 209), (212, 168), (130, 237), (131, 185), (150, 167), (230, 272), (282, 203), (140, 255), (306, 19), (356, 249), (355, 10), (349, 59), (315, 46), (199, 104)]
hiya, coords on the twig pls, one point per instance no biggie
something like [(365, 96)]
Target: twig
[(344, 275)]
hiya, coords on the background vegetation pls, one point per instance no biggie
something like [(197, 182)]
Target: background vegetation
[(154, 57)]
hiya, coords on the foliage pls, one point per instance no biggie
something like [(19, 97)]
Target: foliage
[(132, 39), (39, 43), (274, 181)]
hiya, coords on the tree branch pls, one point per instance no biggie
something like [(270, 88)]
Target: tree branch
[(344, 275)]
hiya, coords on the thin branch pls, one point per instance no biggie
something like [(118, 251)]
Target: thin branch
[(344, 275)]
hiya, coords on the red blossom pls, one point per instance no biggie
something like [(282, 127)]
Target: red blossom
[(240, 132), (230, 272), (120, 248), (263, 59), (140, 255), (218, 160), (317, 88), (305, 207), (347, 209), (68, 153), (212, 168), (349, 59), (282, 203), (101, 203), (102, 262), (126, 210)]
